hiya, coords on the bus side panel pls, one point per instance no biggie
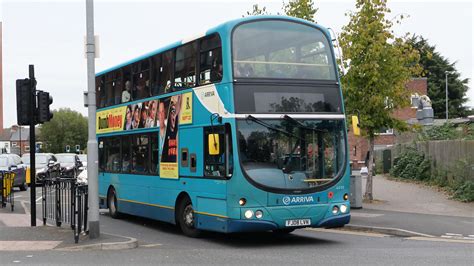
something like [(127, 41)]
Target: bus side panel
[(192, 140)]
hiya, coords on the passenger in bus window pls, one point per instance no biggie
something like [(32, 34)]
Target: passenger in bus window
[(142, 90), (128, 118), (126, 163), (126, 92), (216, 71)]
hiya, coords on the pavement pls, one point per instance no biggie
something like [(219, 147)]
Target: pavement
[(16, 234), (408, 209)]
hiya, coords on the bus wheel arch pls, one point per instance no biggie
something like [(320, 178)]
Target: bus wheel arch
[(112, 202), (185, 215)]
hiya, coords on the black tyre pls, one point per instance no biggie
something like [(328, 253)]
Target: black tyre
[(112, 204), (23, 187), (186, 218)]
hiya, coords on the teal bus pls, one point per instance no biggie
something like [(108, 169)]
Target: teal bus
[(241, 128)]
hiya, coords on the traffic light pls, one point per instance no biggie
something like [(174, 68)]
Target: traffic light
[(24, 94), (44, 113)]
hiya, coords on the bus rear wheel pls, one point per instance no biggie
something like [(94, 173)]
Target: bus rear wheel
[(112, 204), (186, 218)]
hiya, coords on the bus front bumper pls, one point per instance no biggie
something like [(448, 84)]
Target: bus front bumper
[(255, 225)]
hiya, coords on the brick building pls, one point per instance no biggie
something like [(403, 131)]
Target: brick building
[(359, 146)]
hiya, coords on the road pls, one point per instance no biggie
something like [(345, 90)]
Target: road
[(162, 243)]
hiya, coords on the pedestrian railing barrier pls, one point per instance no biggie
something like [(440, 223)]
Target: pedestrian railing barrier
[(65, 203), (7, 179)]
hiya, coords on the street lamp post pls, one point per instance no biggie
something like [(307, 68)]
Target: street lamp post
[(446, 72), (92, 149)]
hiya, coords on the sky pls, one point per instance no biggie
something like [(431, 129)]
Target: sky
[(50, 35)]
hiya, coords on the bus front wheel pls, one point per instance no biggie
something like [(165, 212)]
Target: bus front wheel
[(186, 218), (112, 204)]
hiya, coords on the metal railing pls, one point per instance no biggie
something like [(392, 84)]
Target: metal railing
[(65, 202), (7, 181)]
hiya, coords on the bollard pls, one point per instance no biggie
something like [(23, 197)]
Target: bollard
[(356, 192)]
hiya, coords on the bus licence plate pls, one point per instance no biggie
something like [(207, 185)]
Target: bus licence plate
[(299, 222)]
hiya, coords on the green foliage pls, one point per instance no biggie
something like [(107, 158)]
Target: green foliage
[(444, 132), (300, 9), (411, 165), (256, 11), (434, 68), (379, 66), (457, 179), (66, 128), (465, 192), (303, 9), (447, 132)]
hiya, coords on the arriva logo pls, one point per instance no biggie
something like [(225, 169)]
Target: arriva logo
[(297, 199)]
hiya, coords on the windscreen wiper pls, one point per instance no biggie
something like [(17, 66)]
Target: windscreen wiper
[(262, 123), (301, 125)]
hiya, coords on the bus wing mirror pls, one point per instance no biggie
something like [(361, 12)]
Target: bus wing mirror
[(213, 144), (355, 125)]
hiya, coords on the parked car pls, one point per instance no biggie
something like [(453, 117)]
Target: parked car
[(83, 158), (12, 162), (47, 166), (70, 164)]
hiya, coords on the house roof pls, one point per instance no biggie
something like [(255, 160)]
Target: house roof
[(25, 134), (5, 134)]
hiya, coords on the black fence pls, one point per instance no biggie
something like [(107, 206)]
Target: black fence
[(65, 203), (7, 180)]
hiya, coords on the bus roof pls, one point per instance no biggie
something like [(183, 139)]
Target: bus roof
[(223, 29)]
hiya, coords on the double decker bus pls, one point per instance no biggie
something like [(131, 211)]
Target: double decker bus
[(239, 129)]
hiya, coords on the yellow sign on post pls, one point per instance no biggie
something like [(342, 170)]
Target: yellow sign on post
[(355, 125), (186, 116)]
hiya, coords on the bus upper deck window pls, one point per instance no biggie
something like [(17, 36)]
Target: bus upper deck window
[(210, 60)]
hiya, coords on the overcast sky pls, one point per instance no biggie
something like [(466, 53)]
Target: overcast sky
[(50, 35)]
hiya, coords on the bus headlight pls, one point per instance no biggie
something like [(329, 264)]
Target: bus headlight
[(346, 197), (248, 214), (242, 201), (343, 208), (335, 209), (259, 214)]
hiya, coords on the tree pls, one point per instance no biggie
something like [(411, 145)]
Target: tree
[(67, 127), (434, 68), (256, 10), (378, 66), (299, 9)]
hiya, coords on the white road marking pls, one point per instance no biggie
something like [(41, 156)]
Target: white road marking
[(451, 234), (340, 231), (365, 215), (437, 239)]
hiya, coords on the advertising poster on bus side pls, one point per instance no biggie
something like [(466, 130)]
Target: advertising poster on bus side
[(169, 152)]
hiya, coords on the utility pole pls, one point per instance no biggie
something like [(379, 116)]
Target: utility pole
[(32, 116), (446, 72), (92, 149)]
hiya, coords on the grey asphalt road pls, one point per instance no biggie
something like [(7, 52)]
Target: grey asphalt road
[(161, 243), (435, 225)]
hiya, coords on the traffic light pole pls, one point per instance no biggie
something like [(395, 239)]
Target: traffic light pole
[(92, 149), (32, 144)]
